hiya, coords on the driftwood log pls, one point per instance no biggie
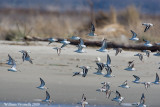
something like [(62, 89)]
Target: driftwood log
[(98, 44)]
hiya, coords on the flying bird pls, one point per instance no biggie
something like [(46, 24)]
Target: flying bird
[(100, 68), (65, 43), (81, 46), (13, 68), (146, 84), (103, 47), (147, 43), (130, 66), (134, 36), (118, 50), (75, 38), (141, 103), (51, 40), (148, 25), (83, 73), (92, 30), (118, 98), (136, 79), (156, 80), (42, 85), (140, 56), (83, 101), (109, 72), (26, 56), (147, 53), (48, 99), (125, 85)]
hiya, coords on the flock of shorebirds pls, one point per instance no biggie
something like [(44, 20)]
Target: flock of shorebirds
[(107, 66)]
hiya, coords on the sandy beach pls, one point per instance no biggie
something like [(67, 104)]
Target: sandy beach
[(57, 72)]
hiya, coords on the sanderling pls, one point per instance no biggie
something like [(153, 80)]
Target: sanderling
[(92, 30), (156, 80), (146, 84), (140, 56), (118, 50), (99, 69), (103, 89), (109, 72), (147, 52), (85, 70), (75, 38), (26, 56), (118, 98), (51, 40), (148, 25), (130, 66), (80, 46), (136, 79), (103, 47), (134, 36), (13, 68), (141, 103), (147, 43), (124, 85), (47, 100), (65, 43), (42, 85), (83, 73), (83, 101)]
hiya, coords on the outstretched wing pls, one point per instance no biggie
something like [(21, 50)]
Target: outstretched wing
[(47, 96), (157, 78), (108, 59), (92, 27), (136, 78), (133, 34), (118, 95), (42, 82), (104, 44)]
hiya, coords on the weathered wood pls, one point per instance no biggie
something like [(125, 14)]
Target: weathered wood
[(98, 44)]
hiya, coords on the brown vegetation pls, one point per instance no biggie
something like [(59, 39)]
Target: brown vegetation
[(112, 25)]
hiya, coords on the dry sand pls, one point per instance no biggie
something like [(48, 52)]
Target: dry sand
[(57, 72)]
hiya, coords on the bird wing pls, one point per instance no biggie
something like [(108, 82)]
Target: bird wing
[(108, 59), (47, 95), (118, 95), (146, 28), (104, 44), (142, 100), (42, 82), (14, 63), (157, 78), (133, 34), (92, 27), (85, 71), (136, 78)]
